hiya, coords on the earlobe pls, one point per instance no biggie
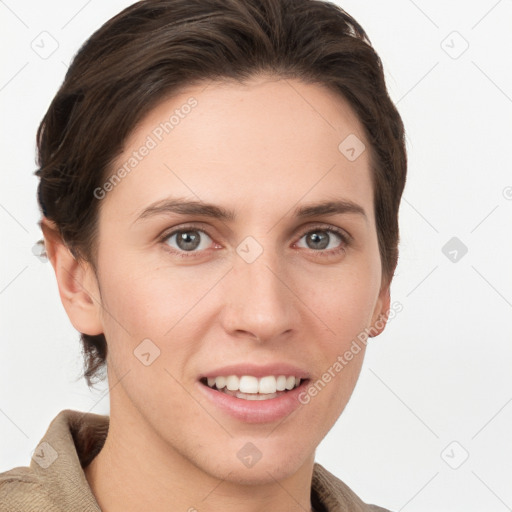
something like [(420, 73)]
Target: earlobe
[(380, 313), (76, 281)]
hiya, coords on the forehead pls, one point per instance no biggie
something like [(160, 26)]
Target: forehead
[(267, 142)]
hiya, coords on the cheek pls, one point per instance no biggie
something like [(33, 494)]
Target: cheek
[(345, 306), (145, 295), (136, 303), (155, 302), (144, 320), (344, 300)]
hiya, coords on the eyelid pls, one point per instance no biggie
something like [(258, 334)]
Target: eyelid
[(345, 235), (167, 233)]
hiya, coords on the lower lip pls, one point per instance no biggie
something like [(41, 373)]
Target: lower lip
[(255, 411)]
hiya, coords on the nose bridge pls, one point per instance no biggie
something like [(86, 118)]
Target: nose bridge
[(258, 301)]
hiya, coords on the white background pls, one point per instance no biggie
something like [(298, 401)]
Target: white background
[(441, 371)]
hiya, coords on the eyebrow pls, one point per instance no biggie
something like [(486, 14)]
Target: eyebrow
[(183, 206)]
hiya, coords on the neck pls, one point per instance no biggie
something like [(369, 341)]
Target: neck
[(137, 470)]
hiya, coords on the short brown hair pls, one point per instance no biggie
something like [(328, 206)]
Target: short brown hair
[(153, 49)]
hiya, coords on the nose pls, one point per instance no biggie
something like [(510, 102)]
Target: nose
[(259, 301)]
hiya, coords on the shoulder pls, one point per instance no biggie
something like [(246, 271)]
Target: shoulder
[(335, 495), (21, 491), (55, 480)]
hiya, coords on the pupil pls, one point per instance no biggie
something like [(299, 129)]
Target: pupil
[(322, 238), (188, 242)]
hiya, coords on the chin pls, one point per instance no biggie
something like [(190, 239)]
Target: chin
[(250, 466)]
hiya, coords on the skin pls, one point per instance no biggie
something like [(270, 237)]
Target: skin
[(260, 149)]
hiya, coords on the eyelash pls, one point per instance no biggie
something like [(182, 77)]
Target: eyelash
[(345, 240)]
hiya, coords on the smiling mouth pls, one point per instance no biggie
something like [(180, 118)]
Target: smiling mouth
[(248, 387)]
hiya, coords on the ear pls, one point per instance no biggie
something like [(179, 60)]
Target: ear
[(381, 312), (78, 287)]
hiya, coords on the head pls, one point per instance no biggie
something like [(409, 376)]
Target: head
[(179, 163)]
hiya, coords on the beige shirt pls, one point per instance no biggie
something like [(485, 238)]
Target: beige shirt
[(55, 480)]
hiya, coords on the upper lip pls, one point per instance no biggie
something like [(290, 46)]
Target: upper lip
[(257, 371)]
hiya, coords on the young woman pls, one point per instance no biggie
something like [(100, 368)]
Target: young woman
[(220, 184)]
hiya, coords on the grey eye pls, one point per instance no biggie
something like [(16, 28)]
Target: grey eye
[(188, 240), (319, 239)]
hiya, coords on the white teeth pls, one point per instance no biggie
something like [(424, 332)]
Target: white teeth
[(267, 385), (220, 382), (232, 382), (250, 385), (281, 383)]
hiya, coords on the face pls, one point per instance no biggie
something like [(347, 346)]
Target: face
[(216, 259)]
